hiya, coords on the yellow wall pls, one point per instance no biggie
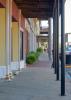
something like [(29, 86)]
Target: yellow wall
[(2, 37), (15, 40)]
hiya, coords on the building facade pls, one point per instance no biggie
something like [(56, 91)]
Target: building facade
[(17, 34)]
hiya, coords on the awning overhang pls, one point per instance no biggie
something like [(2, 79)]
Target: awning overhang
[(36, 8)]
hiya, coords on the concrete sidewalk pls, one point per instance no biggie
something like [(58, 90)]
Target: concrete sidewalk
[(33, 83)]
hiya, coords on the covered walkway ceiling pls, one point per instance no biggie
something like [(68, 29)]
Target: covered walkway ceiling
[(36, 8)]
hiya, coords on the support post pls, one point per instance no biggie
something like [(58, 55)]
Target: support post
[(57, 76), (53, 44), (50, 42), (19, 39), (8, 36), (62, 50), (55, 41)]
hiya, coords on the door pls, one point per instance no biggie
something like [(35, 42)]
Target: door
[(21, 45)]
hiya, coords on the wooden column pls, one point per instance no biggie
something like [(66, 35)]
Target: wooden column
[(8, 34)]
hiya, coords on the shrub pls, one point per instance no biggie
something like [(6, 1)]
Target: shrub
[(40, 50), (37, 54), (31, 58)]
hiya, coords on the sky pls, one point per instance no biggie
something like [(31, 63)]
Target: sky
[(68, 16), (44, 23)]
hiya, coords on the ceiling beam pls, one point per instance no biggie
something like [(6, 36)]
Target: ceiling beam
[(36, 15), (34, 1), (36, 8)]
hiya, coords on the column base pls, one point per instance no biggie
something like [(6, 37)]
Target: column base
[(4, 74), (2, 71), (22, 64), (12, 69), (14, 66)]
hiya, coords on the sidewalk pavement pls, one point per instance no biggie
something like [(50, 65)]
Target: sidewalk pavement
[(37, 82)]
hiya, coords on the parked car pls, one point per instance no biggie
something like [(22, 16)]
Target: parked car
[(68, 55), (68, 50)]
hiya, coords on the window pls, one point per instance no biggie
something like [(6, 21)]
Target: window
[(21, 45)]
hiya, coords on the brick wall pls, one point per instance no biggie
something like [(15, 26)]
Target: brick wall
[(15, 11), (2, 3)]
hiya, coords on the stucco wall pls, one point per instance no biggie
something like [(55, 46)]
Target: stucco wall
[(2, 37), (15, 40)]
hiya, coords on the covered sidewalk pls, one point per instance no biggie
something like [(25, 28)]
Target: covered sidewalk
[(19, 22), (34, 83)]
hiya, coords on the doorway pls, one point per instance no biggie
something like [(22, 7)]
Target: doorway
[(21, 45)]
